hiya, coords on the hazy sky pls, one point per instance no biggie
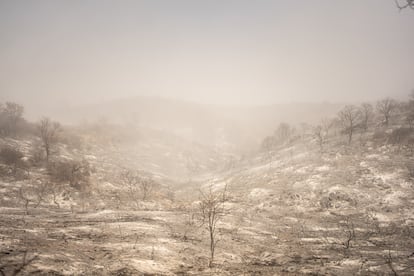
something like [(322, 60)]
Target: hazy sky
[(207, 51)]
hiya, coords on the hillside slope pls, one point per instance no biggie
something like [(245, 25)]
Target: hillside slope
[(294, 210)]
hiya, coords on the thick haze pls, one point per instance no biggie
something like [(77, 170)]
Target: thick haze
[(226, 52)]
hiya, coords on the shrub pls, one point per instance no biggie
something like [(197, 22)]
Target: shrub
[(400, 136), (76, 173), (379, 136), (37, 154), (11, 157)]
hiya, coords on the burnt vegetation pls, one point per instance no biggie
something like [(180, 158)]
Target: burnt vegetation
[(334, 197)]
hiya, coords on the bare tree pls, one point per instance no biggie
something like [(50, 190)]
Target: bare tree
[(146, 185), (349, 117), (131, 180), (367, 112), (189, 223), (410, 120), (268, 144), (283, 132), (390, 262), (48, 131), (23, 196), (184, 229), (17, 268), (405, 4), (385, 107), (319, 135), (410, 111), (212, 209), (11, 114), (321, 132), (139, 187), (349, 231)]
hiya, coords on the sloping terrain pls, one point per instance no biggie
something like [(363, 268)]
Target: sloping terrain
[(344, 211)]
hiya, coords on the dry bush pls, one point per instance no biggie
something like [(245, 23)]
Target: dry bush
[(283, 135), (37, 154), (60, 171), (131, 180), (10, 156), (139, 186), (13, 158), (348, 229), (380, 136), (187, 227), (33, 193), (189, 224), (76, 173), (401, 137)]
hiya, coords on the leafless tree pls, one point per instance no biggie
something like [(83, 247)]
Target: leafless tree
[(283, 132), (405, 4), (131, 180), (139, 187), (80, 172), (349, 231), (212, 209), (385, 107), (410, 120), (11, 114), (189, 223), (321, 132), (56, 189), (17, 268), (40, 190), (48, 131), (146, 185), (367, 112), (268, 144), (319, 135), (390, 262), (23, 195), (410, 111), (349, 117)]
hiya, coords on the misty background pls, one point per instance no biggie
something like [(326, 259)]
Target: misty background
[(202, 69)]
